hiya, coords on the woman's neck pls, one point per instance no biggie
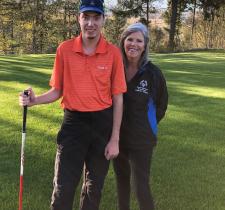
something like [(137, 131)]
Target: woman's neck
[(131, 70)]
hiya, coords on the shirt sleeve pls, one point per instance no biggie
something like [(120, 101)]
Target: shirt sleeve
[(118, 83), (162, 99), (56, 80)]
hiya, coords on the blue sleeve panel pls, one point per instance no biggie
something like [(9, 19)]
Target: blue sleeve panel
[(152, 116)]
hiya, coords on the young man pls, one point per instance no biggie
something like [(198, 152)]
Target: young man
[(89, 76)]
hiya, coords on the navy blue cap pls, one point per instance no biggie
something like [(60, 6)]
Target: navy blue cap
[(92, 6)]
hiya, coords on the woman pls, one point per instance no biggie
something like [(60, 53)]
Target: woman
[(145, 104)]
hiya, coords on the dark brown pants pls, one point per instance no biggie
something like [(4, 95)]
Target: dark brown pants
[(81, 143), (134, 163)]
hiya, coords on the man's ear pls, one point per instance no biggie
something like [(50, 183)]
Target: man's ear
[(78, 17)]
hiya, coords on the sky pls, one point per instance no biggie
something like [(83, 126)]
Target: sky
[(110, 2), (159, 4)]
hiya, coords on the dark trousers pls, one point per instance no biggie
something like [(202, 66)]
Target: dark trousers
[(81, 143), (134, 163)]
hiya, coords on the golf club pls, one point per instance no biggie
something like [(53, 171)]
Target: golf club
[(22, 153)]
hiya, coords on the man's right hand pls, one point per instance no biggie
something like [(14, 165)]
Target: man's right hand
[(25, 100)]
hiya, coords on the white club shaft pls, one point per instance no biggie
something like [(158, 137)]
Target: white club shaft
[(22, 153)]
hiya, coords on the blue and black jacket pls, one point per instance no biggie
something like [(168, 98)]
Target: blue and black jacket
[(145, 104)]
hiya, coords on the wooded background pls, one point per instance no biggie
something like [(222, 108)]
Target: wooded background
[(38, 26)]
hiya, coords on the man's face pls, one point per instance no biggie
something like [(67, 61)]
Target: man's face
[(91, 24)]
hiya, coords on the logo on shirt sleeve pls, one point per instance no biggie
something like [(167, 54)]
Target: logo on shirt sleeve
[(142, 87)]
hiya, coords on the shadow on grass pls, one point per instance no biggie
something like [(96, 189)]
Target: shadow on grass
[(27, 69), (201, 69), (190, 181), (38, 170), (187, 167), (37, 61), (201, 57), (191, 154), (193, 167)]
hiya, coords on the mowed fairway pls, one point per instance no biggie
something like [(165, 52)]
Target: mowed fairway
[(188, 167)]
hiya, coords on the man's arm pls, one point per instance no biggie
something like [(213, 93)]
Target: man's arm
[(31, 100), (112, 148)]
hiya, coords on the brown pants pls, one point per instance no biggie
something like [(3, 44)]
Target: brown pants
[(80, 144), (136, 162)]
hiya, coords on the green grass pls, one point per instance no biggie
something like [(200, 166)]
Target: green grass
[(188, 163)]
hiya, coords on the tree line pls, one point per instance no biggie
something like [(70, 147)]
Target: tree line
[(38, 26)]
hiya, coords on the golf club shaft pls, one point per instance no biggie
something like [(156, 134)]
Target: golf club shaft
[(22, 154), (21, 171)]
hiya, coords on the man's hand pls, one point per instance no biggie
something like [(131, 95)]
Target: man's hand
[(46, 98), (112, 149), (25, 100)]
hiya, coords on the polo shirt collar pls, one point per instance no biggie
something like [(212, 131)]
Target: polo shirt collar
[(101, 47)]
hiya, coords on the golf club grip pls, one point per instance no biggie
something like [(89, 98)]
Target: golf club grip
[(25, 113)]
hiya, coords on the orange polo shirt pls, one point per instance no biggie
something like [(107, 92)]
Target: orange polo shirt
[(88, 81)]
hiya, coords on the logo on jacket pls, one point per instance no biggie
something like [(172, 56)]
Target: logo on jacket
[(142, 87)]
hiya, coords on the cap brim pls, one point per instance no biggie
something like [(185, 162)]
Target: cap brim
[(91, 9)]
